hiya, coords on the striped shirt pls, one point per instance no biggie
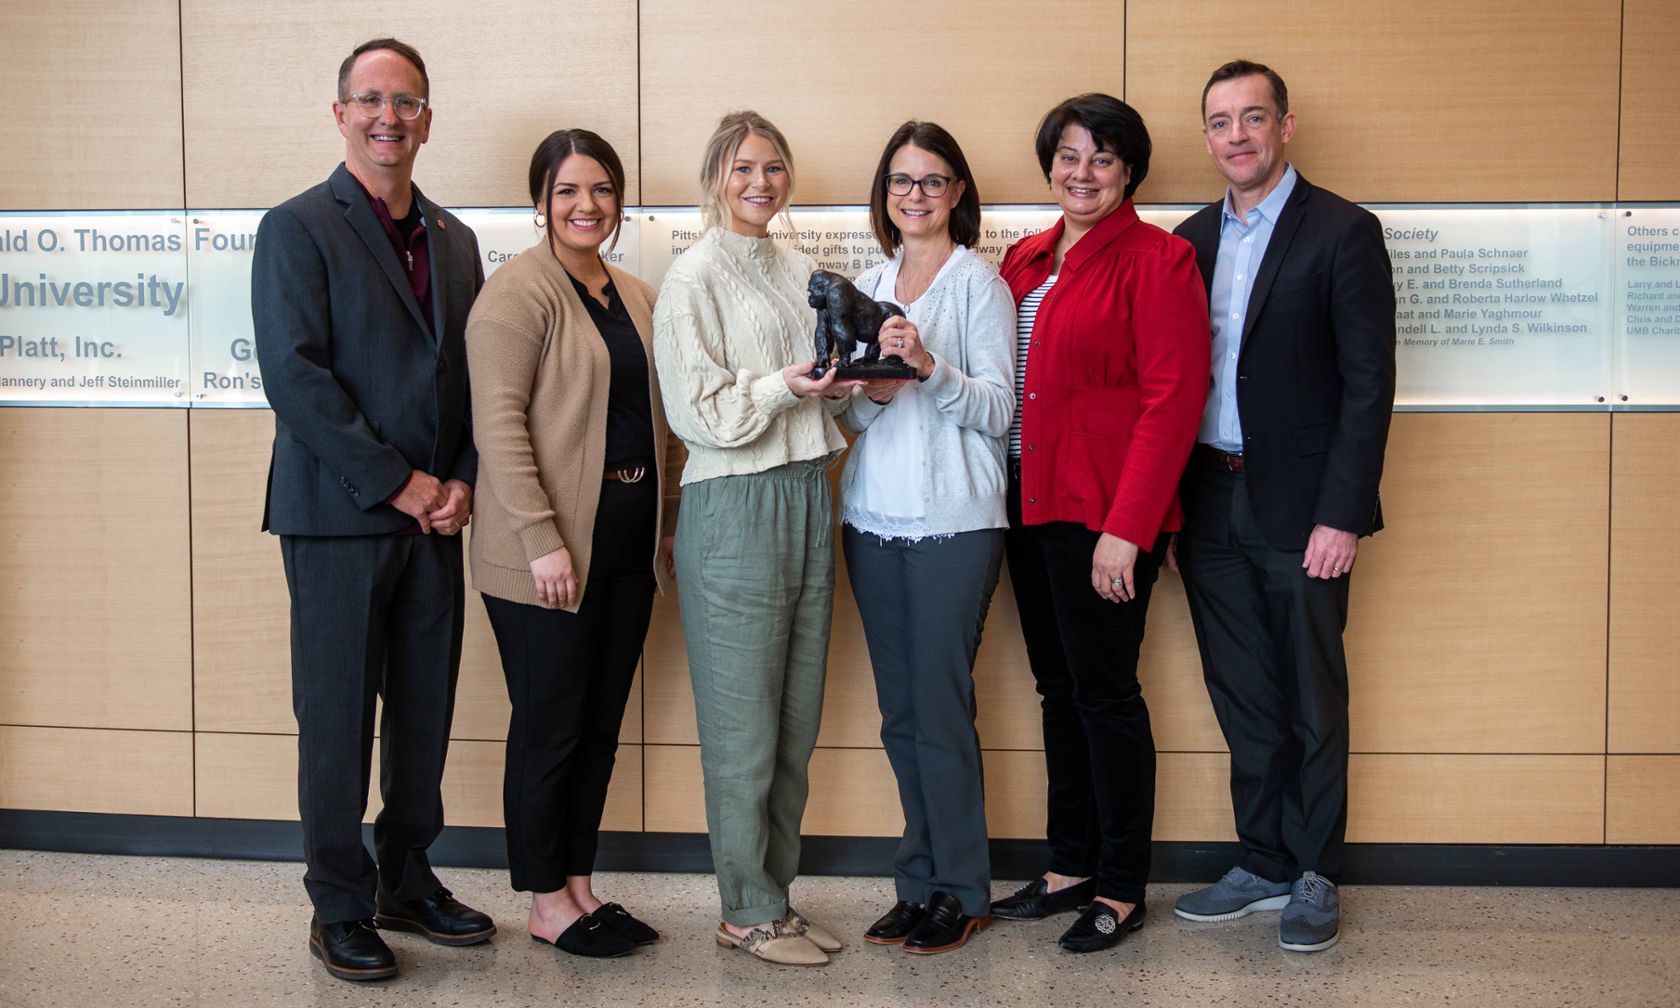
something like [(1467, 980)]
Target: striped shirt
[(1024, 318)]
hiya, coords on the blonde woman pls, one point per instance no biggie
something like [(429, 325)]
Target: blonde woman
[(755, 548)]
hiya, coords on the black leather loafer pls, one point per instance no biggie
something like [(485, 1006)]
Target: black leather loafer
[(1100, 927), (895, 925), (439, 918), (590, 938), (622, 921), (351, 950), (1034, 901), (944, 927)]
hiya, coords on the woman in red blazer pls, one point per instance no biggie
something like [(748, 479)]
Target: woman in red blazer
[(1112, 375)]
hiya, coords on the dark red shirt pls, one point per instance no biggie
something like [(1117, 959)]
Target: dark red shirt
[(1116, 376)]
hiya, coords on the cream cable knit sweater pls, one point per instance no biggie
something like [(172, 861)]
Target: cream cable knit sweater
[(731, 314)]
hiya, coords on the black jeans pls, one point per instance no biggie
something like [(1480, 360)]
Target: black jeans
[(1098, 749), (568, 678), (376, 616), (1271, 643)]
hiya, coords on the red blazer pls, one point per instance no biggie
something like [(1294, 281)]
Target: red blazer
[(1117, 376)]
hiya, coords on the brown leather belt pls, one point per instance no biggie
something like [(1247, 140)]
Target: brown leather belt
[(625, 475), (1224, 459)]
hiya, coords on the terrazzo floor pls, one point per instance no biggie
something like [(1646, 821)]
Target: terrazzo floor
[(90, 930)]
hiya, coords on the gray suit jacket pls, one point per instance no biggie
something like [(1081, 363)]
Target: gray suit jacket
[(363, 390)]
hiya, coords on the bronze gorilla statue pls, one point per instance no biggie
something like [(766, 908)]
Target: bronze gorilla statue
[(845, 318)]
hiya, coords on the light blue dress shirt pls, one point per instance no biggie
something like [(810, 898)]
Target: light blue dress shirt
[(1242, 247)]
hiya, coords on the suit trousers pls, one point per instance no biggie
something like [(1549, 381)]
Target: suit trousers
[(568, 678), (373, 617), (1098, 749), (924, 606), (1271, 644), (755, 562)]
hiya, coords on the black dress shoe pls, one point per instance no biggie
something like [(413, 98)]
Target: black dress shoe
[(439, 918), (1100, 927), (622, 921), (896, 924), (1034, 901), (588, 937), (351, 950), (944, 927)]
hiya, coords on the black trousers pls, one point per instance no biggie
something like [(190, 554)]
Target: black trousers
[(1098, 749), (372, 617), (1271, 643), (568, 678)]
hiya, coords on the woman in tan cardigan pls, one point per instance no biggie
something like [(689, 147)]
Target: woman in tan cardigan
[(567, 547)]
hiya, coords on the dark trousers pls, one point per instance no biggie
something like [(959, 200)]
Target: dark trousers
[(568, 677), (1098, 748), (1271, 643), (924, 606), (372, 617)]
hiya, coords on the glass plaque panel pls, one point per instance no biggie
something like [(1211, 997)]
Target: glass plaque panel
[(93, 308), (1500, 306), (224, 358), (1647, 272)]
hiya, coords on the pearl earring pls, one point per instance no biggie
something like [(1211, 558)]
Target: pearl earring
[(541, 221)]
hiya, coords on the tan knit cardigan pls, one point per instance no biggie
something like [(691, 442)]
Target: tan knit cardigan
[(540, 373)]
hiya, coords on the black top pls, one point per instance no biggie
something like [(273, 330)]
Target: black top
[(629, 414)]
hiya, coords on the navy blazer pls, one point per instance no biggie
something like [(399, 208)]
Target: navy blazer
[(363, 390), (1315, 372)]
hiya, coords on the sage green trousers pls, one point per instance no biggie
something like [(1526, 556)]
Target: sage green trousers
[(755, 575)]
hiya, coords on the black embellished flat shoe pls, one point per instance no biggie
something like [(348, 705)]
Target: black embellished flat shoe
[(351, 950), (590, 938), (1100, 927), (1034, 901), (625, 923), (895, 925), (944, 927), (439, 918)]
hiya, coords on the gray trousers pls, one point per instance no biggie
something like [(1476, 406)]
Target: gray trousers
[(923, 606), (755, 566)]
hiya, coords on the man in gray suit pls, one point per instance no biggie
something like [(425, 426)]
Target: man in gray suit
[(360, 289)]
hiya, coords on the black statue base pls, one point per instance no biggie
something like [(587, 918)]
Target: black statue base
[(885, 369)]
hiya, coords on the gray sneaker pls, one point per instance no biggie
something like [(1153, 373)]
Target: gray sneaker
[(1238, 894), (1312, 922)]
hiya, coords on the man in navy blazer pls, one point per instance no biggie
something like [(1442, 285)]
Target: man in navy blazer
[(1280, 488), (360, 289)]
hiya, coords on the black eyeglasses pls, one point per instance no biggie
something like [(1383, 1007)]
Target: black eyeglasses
[(933, 186)]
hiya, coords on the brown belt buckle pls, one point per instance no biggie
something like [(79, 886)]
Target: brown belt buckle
[(626, 475), (1230, 462)]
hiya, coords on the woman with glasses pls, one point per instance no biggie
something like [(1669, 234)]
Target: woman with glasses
[(1112, 325), (568, 526), (755, 548), (923, 491)]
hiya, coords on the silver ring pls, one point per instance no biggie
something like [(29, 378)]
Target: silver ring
[(1335, 570), (1118, 582)]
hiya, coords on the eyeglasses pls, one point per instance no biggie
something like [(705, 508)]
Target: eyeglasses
[(933, 186), (405, 106)]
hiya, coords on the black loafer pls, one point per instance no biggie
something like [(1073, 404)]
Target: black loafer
[(351, 950), (895, 925), (944, 927), (1100, 927), (590, 938), (622, 921), (1034, 901), (439, 918)]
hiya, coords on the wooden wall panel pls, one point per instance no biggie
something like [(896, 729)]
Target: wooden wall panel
[(1432, 101), (1644, 584), (96, 770), (1015, 793), (95, 608), (1650, 38), (853, 793), (93, 105), (838, 87), (280, 62), (255, 777), (1170, 669), (1642, 800), (1473, 799), (1193, 797), (1477, 617), (674, 795)]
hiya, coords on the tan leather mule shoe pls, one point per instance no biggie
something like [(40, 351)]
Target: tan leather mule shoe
[(819, 937), (775, 942)]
